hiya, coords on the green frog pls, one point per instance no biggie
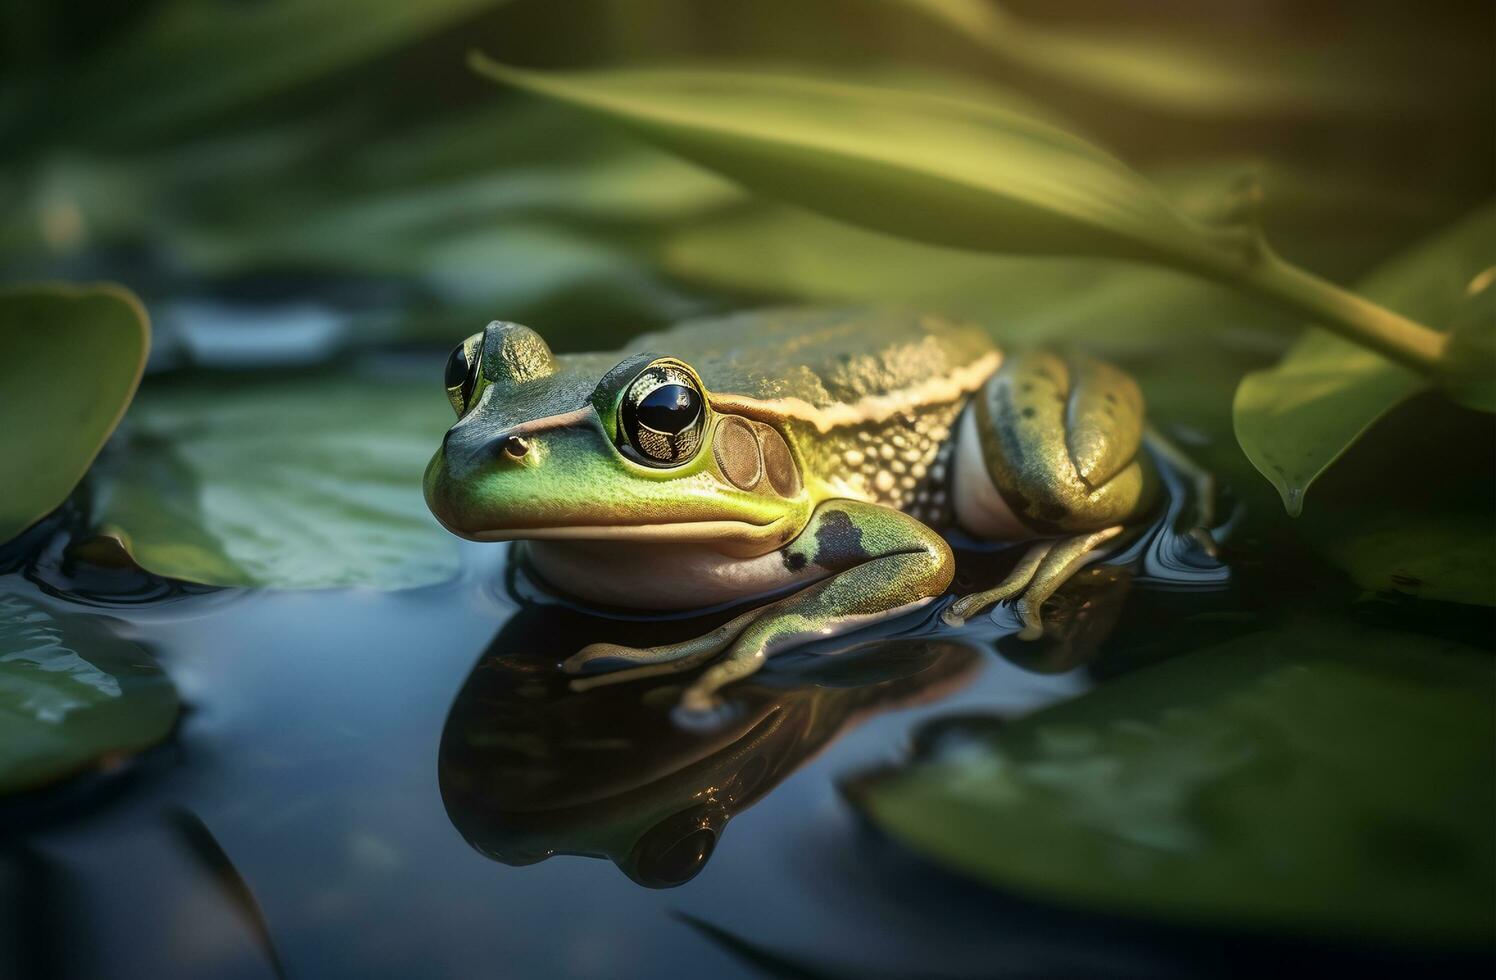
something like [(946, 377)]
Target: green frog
[(807, 458)]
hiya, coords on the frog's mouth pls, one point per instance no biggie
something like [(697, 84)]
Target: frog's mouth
[(709, 531)]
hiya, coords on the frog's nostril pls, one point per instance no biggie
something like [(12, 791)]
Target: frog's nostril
[(515, 446)]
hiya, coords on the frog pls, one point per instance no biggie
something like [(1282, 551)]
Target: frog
[(809, 466)]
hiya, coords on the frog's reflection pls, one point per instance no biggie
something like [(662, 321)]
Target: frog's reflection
[(529, 769)]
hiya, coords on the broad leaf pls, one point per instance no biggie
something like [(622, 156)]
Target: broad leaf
[(72, 694), (1297, 418), (1324, 778), (70, 359), (782, 253), (290, 481), (942, 170)]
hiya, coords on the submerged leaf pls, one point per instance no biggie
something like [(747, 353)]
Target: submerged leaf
[(70, 359), (942, 170), (1320, 778), (288, 481), (1297, 418), (72, 693)]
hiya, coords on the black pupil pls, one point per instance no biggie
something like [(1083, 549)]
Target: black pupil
[(668, 408), (457, 368)]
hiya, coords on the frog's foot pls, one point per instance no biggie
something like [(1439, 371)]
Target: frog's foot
[(879, 563), (958, 612), (1038, 575)]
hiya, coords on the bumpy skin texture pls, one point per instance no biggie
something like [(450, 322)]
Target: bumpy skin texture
[(1060, 437), (828, 447)]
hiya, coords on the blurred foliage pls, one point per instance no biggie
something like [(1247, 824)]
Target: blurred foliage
[(72, 358), (1319, 777), (362, 159), (72, 694)]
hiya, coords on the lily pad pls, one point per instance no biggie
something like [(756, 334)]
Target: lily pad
[(295, 481), (1295, 419), (1325, 778), (70, 359), (72, 695)]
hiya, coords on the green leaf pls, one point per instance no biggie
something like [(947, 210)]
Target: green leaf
[(72, 695), (932, 168), (1295, 419), (1470, 358), (781, 253), (70, 359), (234, 54), (288, 481), (1325, 778)]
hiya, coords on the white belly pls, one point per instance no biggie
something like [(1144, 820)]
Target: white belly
[(639, 575)]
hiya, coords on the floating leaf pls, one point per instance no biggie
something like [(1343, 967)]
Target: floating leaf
[(1297, 418), (70, 359), (1321, 778), (291, 481), (72, 694), (942, 170)]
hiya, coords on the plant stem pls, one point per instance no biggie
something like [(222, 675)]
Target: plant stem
[(1341, 311)]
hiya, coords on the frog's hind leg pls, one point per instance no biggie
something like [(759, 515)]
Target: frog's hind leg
[(1049, 449)]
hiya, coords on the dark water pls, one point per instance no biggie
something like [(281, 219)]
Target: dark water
[(369, 785)]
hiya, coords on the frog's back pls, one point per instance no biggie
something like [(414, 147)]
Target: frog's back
[(867, 396), (827, 360)]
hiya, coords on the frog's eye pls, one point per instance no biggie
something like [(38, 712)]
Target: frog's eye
[(462, 374), (662, 416)]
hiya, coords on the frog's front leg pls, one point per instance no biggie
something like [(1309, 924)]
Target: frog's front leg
[(1050, 448), (877, 561)]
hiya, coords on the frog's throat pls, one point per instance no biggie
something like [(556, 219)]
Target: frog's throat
[(874, 408)]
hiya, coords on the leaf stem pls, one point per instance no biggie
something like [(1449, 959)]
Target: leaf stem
[(1341, 311)]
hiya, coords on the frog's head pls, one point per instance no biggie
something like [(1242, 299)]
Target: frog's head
[(590, 447)]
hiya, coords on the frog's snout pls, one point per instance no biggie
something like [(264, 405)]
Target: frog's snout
[(465, 481)]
